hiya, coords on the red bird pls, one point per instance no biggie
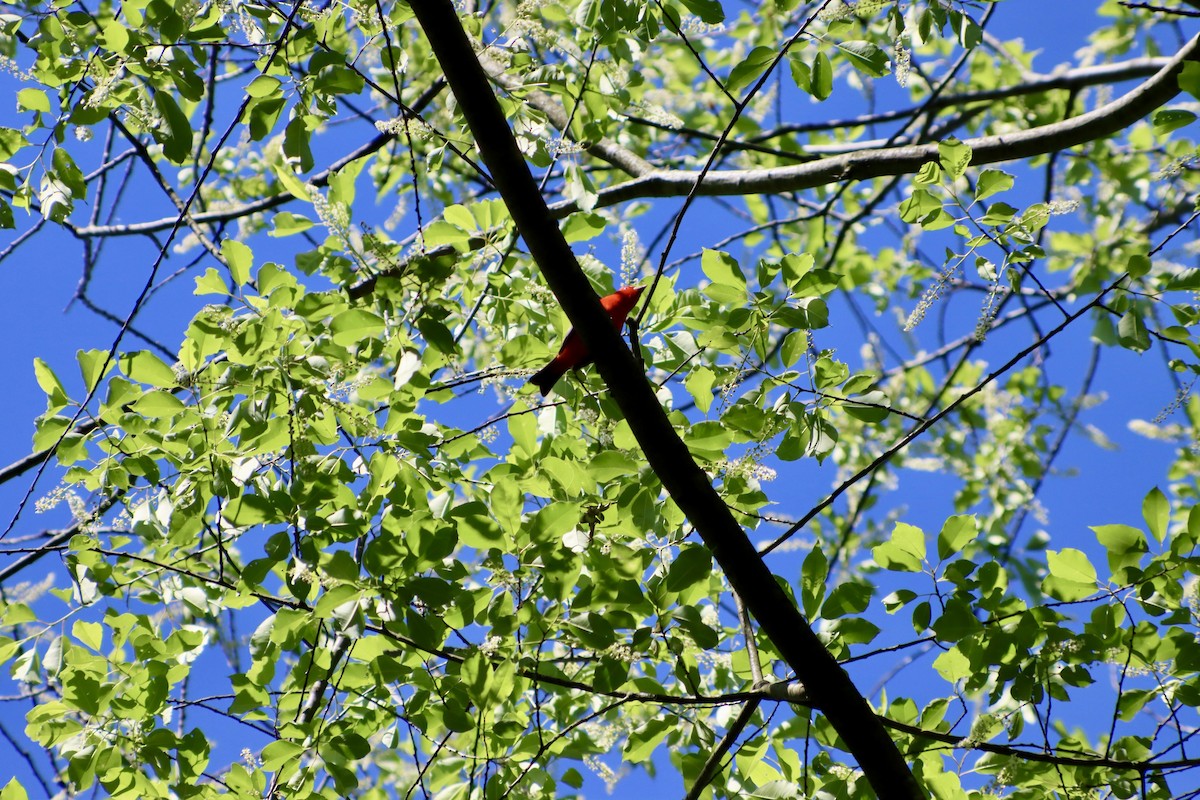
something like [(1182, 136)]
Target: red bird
[(574, 352)]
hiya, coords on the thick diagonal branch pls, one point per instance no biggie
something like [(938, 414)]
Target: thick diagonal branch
[(687, 484)]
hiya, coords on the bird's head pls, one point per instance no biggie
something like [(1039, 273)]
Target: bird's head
[(631, 293)]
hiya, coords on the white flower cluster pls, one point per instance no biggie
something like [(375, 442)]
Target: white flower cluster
[(987, 314), (1180, 396), (632, 254), (656, 114), (901, 62), (931, 296)]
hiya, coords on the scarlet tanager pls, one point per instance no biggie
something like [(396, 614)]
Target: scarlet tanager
[(574, 352)]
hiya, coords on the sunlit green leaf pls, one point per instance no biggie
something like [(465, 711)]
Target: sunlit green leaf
[(904, 552)]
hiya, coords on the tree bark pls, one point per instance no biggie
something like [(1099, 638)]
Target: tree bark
[(826, 682)]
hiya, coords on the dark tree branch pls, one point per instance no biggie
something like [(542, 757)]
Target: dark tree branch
[(667, 455)]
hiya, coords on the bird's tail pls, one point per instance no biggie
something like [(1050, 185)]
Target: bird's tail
[(545, 378)]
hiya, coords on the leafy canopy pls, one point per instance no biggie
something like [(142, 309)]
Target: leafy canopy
[(330, 544)]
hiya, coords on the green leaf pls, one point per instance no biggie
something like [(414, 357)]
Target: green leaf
[(582, 227), (955, 534), (904, 552), (749, 68), (336, 597), (458, 216), (813, 577), (611, 465), (1132, 332), (475, 674), (1121, 539), (439, 232), (240, 259), (456, 719), (13, 791), (343, 182), (174, 133), (48, 430), (296, 144), (1072, 576), (919, 206), (17, 614), (794, 346), (294, 186), (866, 57), (708, 439), (957, 621), (969, 33), (801, 72), (815, 283), (795, 267), (930, 174), (248, 510), (955, 157), (1137, 266), (721, 268), (829, 373), (1156, 510), (847, 598), (264, 86), (211, 282), (56, 395), (643, 740), (263, 114), (1170, 119), (874, 413), (339, 80), (476, 528), (10, 142), (145, 367), (33, 100), (355, 325), (1071, 564), (822, 76), (55, 199), (278, 753), (992, 181), (692, 565), (93, 365), (437, 335), (709, 11), (158, 404), (1189, 78), (89, 633), (898, 600), (552, 521), (853, 630), (808, 313), (699, 383), (68, 173), (285, 223), (579, 187), (688, 617), (998, 213), (952, 665)]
